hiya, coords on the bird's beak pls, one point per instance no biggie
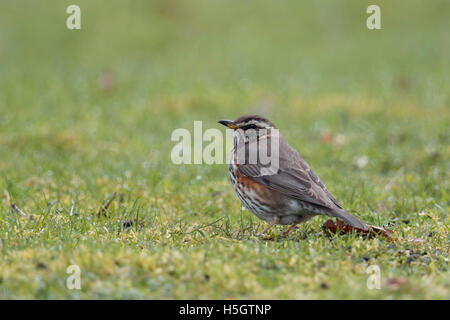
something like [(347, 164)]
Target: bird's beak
[(228, 123)]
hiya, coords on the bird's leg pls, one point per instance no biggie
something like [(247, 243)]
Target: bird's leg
[(274, 221), (289, 229)]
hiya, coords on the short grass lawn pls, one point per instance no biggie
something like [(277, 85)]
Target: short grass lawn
[(88, 114)]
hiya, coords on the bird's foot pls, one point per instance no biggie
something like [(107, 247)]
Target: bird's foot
[(294, 226)]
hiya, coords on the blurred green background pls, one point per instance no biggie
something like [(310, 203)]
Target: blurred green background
[(85, 113)]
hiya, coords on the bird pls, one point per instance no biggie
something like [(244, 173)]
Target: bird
[(284, 190)]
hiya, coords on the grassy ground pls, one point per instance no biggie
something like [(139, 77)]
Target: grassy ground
[(87, 113)]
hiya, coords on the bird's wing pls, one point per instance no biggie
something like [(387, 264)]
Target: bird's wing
[(316, 179), (293, 183), (294, 178)]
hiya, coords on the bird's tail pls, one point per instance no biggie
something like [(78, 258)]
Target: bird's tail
[(350, 219)]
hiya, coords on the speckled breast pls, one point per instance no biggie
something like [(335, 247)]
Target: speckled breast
[(258, 199)]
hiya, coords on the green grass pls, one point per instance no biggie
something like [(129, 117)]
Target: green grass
[(338, 92)]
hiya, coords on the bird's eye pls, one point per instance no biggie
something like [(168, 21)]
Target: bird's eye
[(250, 126)]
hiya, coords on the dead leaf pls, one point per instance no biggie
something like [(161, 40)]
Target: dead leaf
[(397, 283), (326, 136), (330, 227)]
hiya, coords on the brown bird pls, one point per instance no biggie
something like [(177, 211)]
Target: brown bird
[(272, 179)]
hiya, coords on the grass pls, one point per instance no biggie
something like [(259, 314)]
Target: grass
[(89, 113)]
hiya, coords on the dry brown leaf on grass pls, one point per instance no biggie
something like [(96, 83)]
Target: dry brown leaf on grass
[(398, 283), (330, 227)]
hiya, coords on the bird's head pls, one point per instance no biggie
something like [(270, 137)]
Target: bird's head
[(256, 141), (248, 122)]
